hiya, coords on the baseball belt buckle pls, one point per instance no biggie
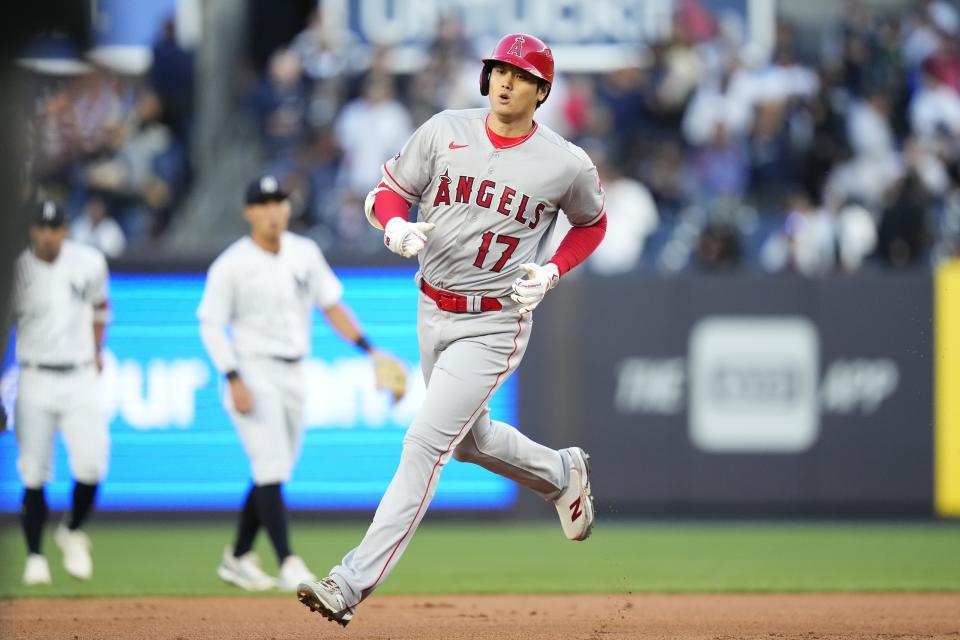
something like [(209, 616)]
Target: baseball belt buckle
[(450, 302)]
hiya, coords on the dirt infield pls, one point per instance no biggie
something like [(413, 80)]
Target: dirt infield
[(595, 617)]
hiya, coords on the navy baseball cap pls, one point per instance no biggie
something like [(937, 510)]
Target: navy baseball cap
[(265, 189), (48, 214)]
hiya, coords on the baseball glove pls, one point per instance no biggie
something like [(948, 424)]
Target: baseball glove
[(389, 374)]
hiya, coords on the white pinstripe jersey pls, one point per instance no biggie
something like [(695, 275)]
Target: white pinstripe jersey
[(265, 298), (494, 208), (53, 304)]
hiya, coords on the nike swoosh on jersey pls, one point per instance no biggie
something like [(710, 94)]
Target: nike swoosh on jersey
[(457, 146)]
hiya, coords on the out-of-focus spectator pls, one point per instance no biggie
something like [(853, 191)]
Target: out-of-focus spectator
[(677, 69), (139, 178), (281, 101), (311, 175), (370, 130), (856, 236), (96, 228), (827, 134), (718, 247), (74, 121), (920, 38), (724, 99), (784, 79), (720, 169), (904, 228), (98, 108), (857, 36), (666, 174), (171, 75), (861, 178), (330, 56), (453, 63), (578, 106), (328, 52), (622, 99), (806, 244), (924, 157), (694, 21), (869, 129), (935, 108), (55, 136)]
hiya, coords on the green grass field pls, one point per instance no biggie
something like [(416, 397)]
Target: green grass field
[(180, 559)]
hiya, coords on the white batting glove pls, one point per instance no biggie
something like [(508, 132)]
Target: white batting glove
[(406, 238), (529, 291)]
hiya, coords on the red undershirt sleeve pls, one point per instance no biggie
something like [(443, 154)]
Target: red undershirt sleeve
[(578, 244), (389, 204)]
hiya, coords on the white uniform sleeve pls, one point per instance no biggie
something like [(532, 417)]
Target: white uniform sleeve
[(215, 313), (325, 288), (583, 203), (410, 171), (101, 289)]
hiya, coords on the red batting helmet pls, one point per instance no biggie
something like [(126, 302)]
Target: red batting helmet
[(521, 50)]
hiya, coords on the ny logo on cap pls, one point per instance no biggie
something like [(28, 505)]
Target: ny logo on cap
[(516, 49), (49, 211), (269, 185)]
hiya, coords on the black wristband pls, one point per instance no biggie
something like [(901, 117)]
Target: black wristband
[(232, 375), (363, 344)]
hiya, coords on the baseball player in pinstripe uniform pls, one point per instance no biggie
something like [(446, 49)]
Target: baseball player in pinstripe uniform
[(263, 288), (489, 184), (60, 309)]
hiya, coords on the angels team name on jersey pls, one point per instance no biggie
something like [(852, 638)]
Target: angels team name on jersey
[(488, 193)]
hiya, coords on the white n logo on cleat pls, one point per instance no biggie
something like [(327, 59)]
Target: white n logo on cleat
[(575, 508)]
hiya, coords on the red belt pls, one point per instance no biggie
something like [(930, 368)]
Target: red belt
[(456, 303)]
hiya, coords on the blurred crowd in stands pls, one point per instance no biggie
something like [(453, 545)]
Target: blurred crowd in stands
[(114, 149), (835, 153)]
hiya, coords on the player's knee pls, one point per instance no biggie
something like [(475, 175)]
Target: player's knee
[(466, 451), (416, 440), (89, 471), (33, 473)]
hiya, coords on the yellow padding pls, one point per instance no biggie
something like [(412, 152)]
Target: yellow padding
[(947, 390)]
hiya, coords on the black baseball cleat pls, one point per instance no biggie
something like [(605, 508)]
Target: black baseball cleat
[(324, 597)]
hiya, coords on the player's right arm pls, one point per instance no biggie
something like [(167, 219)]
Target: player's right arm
[(101, 308), (6, 325), (405, 176), (7, 322), (215, 313)]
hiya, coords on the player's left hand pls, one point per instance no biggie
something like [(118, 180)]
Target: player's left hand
[(529, 291), (390, 374)]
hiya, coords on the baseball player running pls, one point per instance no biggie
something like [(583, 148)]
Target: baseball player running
[(264, 287), (60, 310), (489, 184)]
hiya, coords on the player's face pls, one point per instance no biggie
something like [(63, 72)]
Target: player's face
[(268, 219), (513, 92), (47, 241)]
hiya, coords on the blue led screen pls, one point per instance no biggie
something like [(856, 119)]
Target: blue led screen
[(173, 445)]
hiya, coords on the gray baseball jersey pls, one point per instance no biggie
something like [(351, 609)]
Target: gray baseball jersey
[(493, 209)]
